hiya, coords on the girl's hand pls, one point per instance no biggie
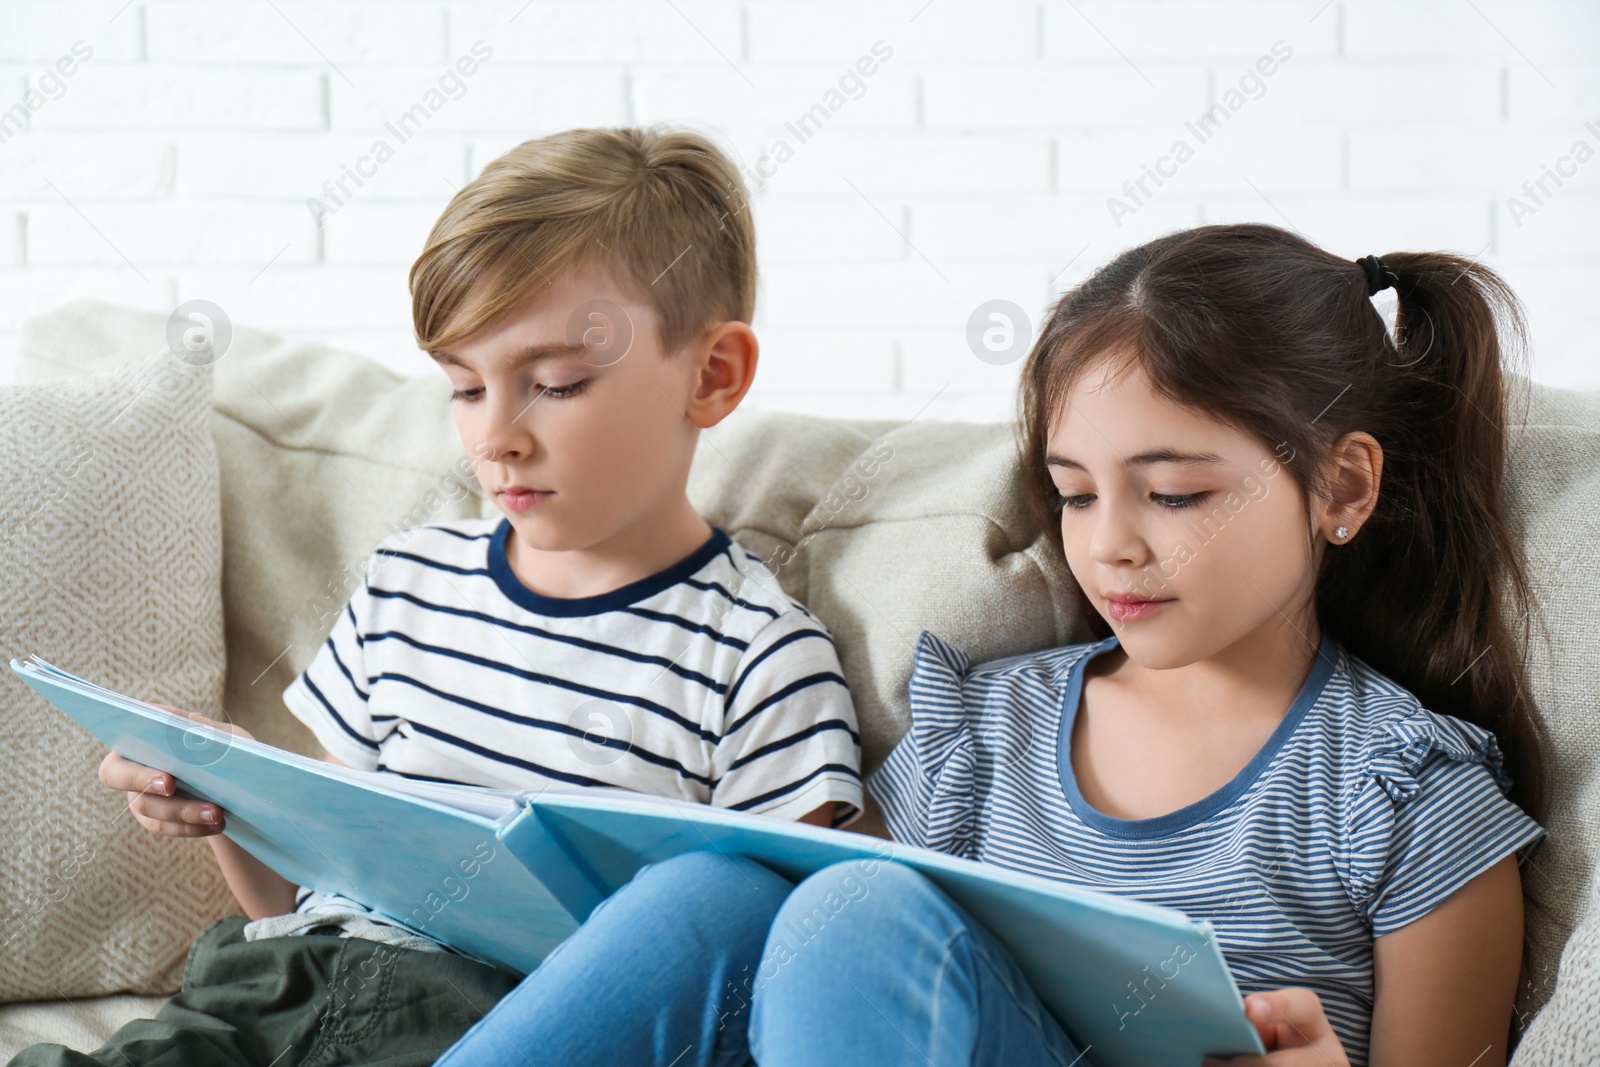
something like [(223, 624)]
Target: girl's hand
[(1294, 1029), (150, 792)]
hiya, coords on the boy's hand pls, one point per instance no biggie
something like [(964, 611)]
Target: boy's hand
[(150, 792), (1293, 1027)]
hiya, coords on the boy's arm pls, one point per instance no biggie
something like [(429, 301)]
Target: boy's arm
[(821, 816), (260, 891)]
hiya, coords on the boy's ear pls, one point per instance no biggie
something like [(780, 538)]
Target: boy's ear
[(726, 365)]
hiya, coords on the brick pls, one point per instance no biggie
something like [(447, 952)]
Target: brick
[(895, 295), (45, 30), (717, 97), (296, 165), (170, 233), (1359, 224), (1477, 156), (1134, 30), (1540, 30), (1571, 94), (941, 359), (1544, 233), (814, 229), (105, 167), (602, 32), (530, 100), (305, 297), (371, 233), (938, 32), (1563, 321), (185, 98), (1367, 93), (1073, 233), (899, 163), (996, 96), (311, 34), (1306, 158)]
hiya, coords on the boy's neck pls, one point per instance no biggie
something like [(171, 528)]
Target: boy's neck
[(637, 551)]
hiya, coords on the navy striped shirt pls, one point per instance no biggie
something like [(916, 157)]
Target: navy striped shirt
[(703, 682), (1361, 813)]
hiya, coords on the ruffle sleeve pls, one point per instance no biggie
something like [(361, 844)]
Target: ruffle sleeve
[(925, 787), (1427, 814)]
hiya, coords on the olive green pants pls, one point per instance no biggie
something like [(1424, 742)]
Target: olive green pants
[(310, 1000)]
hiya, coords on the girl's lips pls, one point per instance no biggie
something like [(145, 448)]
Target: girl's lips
[(523, 499), (1130, 610)]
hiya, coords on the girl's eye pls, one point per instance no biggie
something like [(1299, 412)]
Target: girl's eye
[(1172, 503), (1167, 500), (466, 394)]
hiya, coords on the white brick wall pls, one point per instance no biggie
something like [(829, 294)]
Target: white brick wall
[(163, 150)]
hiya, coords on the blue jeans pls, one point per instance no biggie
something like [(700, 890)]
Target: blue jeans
[(706, 960)]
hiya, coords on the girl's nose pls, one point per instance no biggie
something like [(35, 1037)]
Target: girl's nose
[(1116, 540)]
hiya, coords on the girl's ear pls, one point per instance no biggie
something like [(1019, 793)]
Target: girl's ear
[(1355, 471), (726, 365)]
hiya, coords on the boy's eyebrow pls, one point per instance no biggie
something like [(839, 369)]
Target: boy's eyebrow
[(527, 354), (1143, 459)]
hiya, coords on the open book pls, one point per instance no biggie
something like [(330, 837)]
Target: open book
[(505, 876)]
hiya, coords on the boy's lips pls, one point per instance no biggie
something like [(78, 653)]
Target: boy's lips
[(521, 498)]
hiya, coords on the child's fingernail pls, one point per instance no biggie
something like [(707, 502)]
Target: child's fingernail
[(209, 814)]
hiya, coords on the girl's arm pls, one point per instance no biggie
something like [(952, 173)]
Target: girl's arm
[(1446, 983), (1444, 986)]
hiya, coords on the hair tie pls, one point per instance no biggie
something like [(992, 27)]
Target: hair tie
[(1379, 275)]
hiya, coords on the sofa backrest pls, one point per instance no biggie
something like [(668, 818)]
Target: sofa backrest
[(882, 528)]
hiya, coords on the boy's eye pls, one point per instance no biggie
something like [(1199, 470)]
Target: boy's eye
[(555, 392)]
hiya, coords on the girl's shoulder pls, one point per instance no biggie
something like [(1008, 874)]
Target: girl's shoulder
[(1393, 737), (940, 668), (1425, 807)]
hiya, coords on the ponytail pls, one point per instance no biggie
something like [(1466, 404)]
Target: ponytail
[(1434, 593)]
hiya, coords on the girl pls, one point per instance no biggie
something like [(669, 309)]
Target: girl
[(1304, 719)]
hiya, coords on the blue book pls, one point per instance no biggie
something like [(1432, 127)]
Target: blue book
[(506, 876)]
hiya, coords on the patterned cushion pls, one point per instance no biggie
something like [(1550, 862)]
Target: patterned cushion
[(110, 543)]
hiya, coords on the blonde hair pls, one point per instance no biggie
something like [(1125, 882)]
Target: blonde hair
[(662, 207)]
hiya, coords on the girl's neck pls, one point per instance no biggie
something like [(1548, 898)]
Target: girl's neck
[(1259, 674)]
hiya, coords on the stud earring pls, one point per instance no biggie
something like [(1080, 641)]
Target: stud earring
[(1341, 533)]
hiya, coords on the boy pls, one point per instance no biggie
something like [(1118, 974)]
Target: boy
[(589, 296)]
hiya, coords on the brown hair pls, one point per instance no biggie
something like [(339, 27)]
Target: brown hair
[(1256, 326), (665, 208)]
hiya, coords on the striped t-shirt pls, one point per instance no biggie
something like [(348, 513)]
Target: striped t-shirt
[(703, 682), (1361, 813)]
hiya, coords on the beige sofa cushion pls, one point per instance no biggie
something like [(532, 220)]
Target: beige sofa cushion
[(1567, 1032), (1555, 498), (110, 544)]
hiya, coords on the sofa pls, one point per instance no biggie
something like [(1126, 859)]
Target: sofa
[(185, 529)]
